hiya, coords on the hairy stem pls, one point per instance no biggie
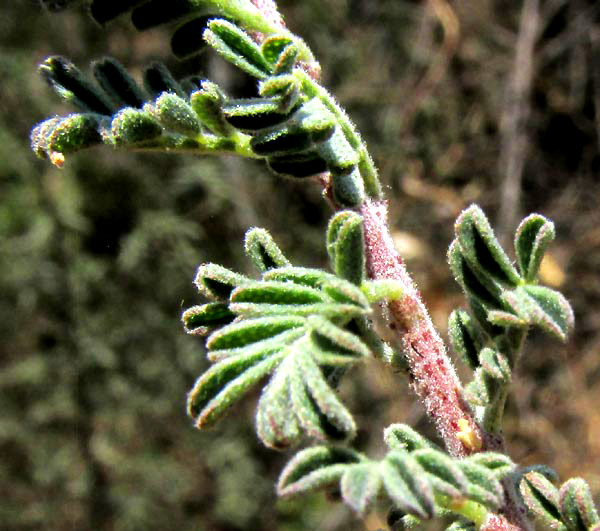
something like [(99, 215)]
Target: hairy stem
[(432, 374), (431, 371)]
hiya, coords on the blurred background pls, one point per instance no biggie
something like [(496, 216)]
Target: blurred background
[(495, 102)]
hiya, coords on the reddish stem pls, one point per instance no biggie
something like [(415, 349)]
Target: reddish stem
[(433, 377)]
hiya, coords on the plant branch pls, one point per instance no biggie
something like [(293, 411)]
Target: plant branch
[(432, 374)]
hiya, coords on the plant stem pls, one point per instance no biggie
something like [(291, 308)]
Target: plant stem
[(431, 371), (432, 374)]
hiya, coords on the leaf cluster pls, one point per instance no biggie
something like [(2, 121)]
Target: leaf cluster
[(293, 123), (504, 302), (303, 326), (162, 114), (568, 508), (420, 480)]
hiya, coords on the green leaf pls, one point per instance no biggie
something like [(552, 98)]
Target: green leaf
[(263, 251), (237, 47), (532, 238), (548, 309), (277, 427), (198, 320), (271, 344), (287, 60), (225, 383), (495, 364), (406, 484), (240, 334), (207, 103), (329, 310), (346, 246), (542, 499), (444, 474), (481, 249), (314, 117), (483, 486), (276, 292), (403, 437), (466, 337), (285, 86), (335, 288), (340, 156), (348, 188), (317, 407), (273, 46), (383, 289), (487, 294), (577, 505), (360, 485), (133, 127), (118, 84), (507, 319), (67, 135), (343, 291), (72, 86), (299, 275), (176, 114), (217, 282), (252, 114), (158, 79), (338, 338), (298, 315), (297, 165), (500, 464), (335, 225), (311, 123), (315, 468)]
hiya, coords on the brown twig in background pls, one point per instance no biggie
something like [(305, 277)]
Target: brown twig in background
[(594, 37), (515, 114), (445, 15)]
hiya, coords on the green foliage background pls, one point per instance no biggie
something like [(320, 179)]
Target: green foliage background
[(97, 260)]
